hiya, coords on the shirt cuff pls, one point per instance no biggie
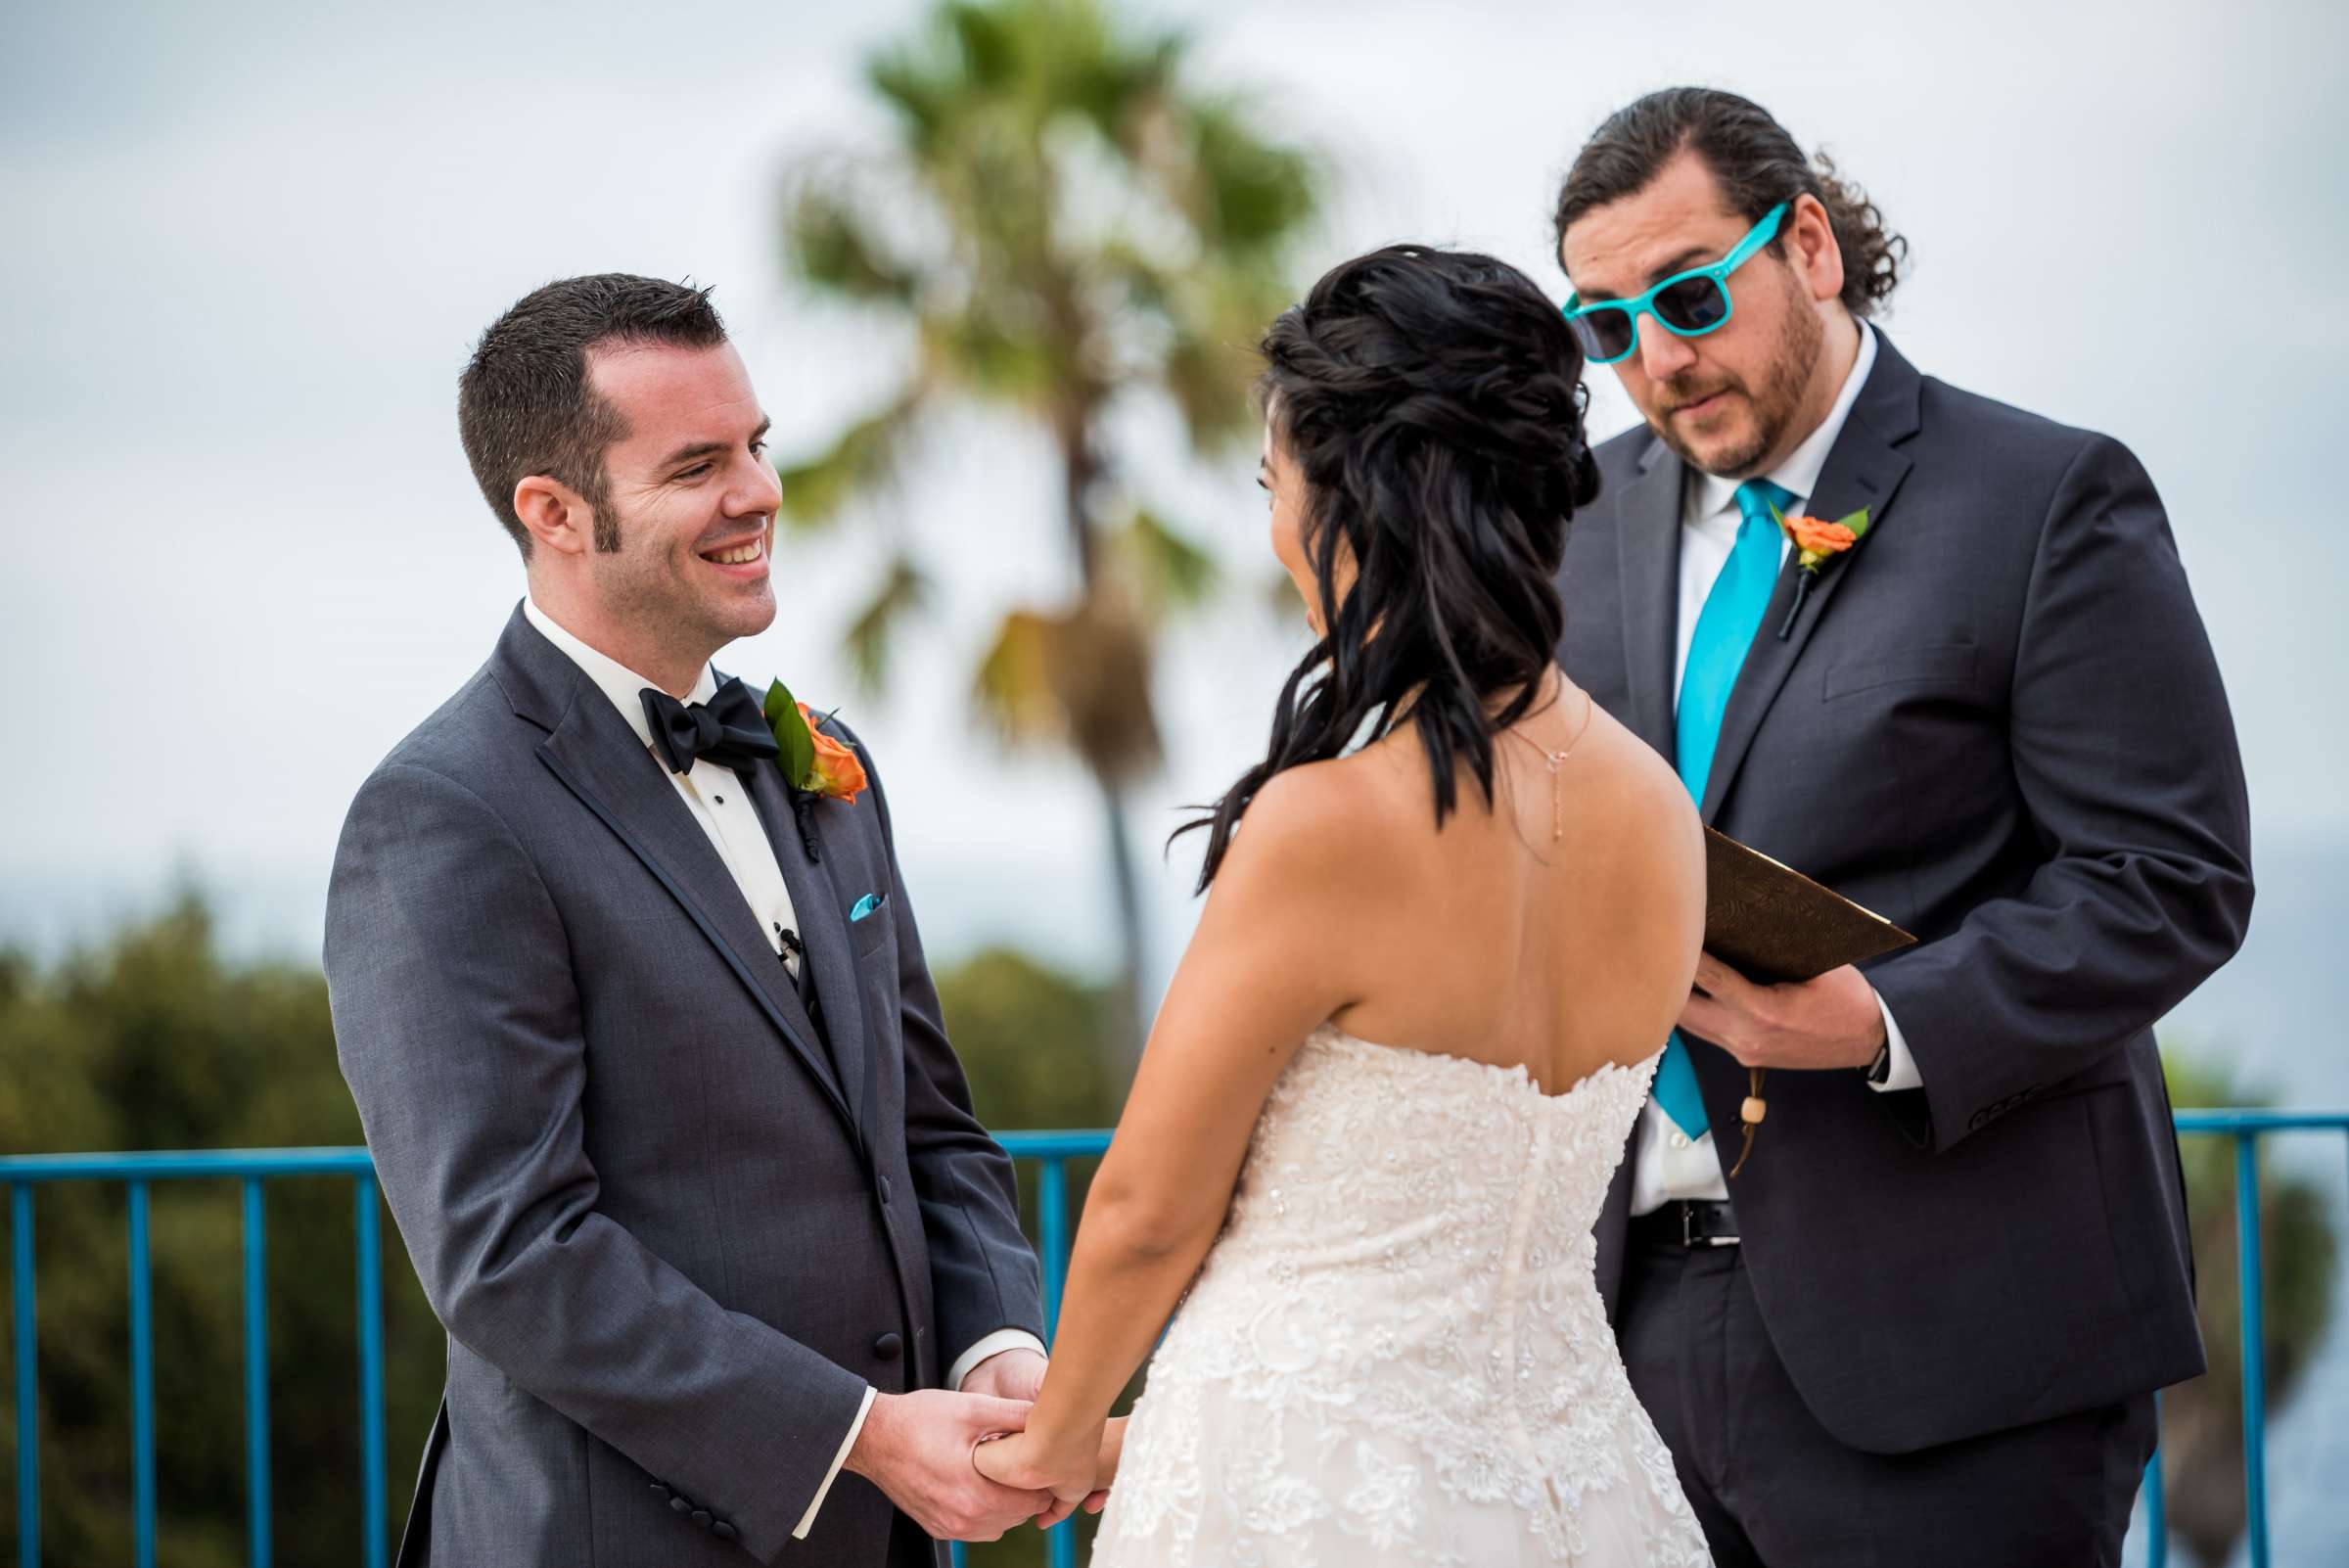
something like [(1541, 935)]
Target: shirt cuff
[(807, 1519), (1900, 1068), (994, 1344)]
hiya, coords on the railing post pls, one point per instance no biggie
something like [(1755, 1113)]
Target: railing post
[(27, 1369), (142, 1380), (256, 1374), (1052, 1235), (2255, 1390), (371, 1372)]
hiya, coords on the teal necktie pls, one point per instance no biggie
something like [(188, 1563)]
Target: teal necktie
[(1724, 629)]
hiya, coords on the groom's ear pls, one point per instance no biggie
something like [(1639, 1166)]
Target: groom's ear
[(558, 517)]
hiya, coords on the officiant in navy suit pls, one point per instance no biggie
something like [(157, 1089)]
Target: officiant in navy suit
[(639, 1027), (1924, 1323)]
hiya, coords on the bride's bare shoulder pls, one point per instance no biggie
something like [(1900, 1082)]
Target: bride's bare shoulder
[(1632, 804), (1335, 820)]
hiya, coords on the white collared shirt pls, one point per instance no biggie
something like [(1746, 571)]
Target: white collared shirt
[(721, 806), (1669, 1165)]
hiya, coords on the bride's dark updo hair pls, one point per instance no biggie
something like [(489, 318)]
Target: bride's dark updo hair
[(1432, 401)]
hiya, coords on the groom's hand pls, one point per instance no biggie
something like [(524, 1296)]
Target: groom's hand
[(917, 1449), (1833, 1021), (1012, 1375)]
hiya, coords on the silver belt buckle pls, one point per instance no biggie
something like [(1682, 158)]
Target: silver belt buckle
[(1688, 1235)]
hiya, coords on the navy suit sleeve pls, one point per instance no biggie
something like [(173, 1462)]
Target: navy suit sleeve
[(457, 1023), (2124, 754), (983, 1272)]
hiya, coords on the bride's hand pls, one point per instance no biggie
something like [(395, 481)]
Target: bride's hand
[(1105, 1472), (1029, 1461)]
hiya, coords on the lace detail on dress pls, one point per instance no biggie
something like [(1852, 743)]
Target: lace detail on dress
[(1396, 1351)]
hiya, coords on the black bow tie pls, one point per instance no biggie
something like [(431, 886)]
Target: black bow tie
[(729, 729)]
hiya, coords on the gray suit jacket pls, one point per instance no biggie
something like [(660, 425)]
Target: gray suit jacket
[(673, 1239), (1996, 722)]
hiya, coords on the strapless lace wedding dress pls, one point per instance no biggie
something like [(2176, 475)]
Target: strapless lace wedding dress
[(1394, 1354)]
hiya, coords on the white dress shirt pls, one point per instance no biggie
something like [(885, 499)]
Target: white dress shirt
[(1669, 1165), (722, 807)]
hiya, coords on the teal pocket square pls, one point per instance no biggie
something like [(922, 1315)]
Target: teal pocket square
[(866, 905)]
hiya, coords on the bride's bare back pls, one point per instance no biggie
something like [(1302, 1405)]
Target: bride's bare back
[(1505, 945)]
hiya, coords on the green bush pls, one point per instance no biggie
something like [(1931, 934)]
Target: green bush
[(152, 1040)]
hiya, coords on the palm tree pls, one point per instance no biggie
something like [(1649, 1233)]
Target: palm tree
[(2201, 1421), (1066, 223)]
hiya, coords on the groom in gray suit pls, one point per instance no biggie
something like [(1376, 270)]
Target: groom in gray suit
[(1924, 1324), (640, 1028)]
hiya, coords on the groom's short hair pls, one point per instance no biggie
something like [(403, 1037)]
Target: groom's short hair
[(525, 405), (1754, 161)]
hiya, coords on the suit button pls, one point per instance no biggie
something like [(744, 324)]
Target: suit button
[(887, 1347), (885, 1189), (680, 1505), (660, 1488), (724, 1531), (701, 1516)]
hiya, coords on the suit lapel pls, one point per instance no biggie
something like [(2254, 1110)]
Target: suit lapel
[(599, 758), (1863, 467), (1650, 517), (824, 930)]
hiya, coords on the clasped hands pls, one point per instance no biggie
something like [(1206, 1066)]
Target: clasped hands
[(922, 1449), (1074, 1469)]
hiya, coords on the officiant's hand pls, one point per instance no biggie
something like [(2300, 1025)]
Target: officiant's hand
[(1833, 1021)]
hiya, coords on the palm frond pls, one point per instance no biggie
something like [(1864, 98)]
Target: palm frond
[(1079, 679), (871, 634), (1249, 195), (827, 242), (864, 456), (1013, 687), (1172, 571)]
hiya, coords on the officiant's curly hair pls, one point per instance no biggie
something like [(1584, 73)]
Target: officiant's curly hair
[(525, 405), (1433, 404), (1756, 164)]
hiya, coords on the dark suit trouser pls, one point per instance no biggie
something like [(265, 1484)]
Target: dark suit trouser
[(909, 1547), (1771, 1486)]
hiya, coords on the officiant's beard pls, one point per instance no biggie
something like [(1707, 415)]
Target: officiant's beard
[(1776, 404)]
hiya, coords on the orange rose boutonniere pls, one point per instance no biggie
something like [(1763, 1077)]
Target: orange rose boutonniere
[(813, 761), (837, 773), (1817, 541), (815, 764)]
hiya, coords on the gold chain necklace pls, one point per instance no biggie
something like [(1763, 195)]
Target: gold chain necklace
[(1556, 761)]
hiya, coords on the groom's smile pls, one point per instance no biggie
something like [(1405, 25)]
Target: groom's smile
[(743, 560)]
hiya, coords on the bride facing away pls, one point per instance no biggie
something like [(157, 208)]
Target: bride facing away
[(1398, 1063)]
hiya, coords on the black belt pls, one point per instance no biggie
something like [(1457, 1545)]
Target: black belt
[(1687, 1223)]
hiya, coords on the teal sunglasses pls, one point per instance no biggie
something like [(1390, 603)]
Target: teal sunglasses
[(1688, 304)]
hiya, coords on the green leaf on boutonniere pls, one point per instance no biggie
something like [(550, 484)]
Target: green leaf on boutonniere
[(791, 733)]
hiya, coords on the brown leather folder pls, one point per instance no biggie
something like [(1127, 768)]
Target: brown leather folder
[(1773, 924)]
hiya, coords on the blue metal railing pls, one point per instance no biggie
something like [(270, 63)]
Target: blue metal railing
[(2246, 1127), (1053, 1151), (255, 1169)]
